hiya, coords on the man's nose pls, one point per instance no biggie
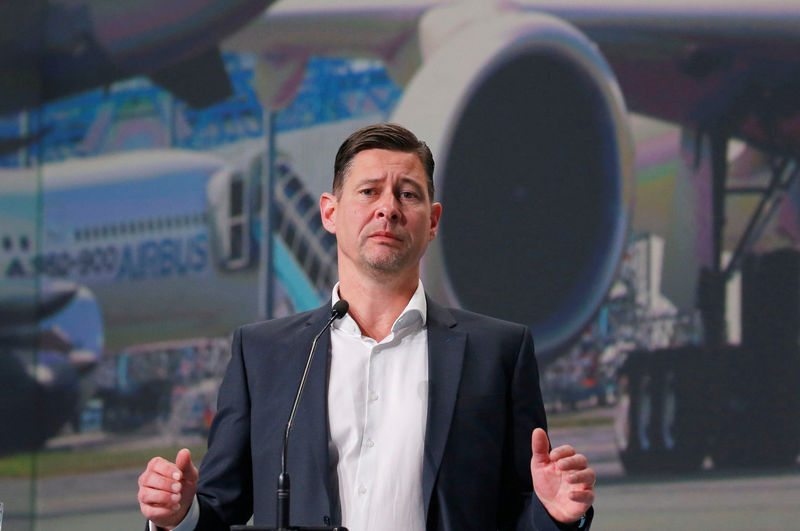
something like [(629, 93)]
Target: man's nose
[(389, 207)]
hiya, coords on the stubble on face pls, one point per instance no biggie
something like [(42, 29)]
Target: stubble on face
[(390, 262)]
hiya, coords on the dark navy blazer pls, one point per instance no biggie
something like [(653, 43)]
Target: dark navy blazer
[(483, 403)]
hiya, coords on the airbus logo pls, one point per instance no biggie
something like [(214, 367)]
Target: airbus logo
[(147, 259)]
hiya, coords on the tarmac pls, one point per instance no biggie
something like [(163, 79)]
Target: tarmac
[(708, 499)]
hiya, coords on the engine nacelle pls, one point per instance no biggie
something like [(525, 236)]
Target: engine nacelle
[(534, 168), (47, 356)]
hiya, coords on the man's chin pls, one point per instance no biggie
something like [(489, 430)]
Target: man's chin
[(388, 263)]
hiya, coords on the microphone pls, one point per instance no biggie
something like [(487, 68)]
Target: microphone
[(338, 311)]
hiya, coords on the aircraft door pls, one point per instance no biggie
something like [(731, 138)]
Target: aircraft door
[(229, 205)]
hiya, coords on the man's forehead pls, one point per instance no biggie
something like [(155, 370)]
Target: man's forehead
[(381, 163), (386, 156)]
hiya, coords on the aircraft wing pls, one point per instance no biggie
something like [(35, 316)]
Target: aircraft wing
[(727, 66), (61, 47), (200, 81), (731, 67)]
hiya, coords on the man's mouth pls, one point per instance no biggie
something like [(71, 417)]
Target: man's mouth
[(383, 235)]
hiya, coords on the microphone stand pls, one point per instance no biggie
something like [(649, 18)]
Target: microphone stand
[(338, 311)]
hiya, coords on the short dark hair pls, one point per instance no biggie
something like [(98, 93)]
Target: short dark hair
[(392, 137)]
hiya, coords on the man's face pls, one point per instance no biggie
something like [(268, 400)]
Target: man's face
[(383, 219)]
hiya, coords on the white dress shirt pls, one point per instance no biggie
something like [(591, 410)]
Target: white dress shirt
[(377, 410)]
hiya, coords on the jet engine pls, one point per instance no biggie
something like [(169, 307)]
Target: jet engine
[(51, 338), (534, 167)]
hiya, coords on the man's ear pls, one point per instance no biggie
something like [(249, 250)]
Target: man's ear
[(327, 210), (436, 214)]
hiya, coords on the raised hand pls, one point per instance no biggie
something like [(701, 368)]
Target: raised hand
[(562, 479), (166, 489)]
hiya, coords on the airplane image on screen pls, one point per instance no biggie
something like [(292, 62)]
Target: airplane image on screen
[(526, 105), (137, 248)]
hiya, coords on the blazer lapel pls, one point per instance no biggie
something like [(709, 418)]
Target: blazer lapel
[(445, 358), (308, 441)]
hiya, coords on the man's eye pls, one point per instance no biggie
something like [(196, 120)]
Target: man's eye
[(408, 195), (367, 191)]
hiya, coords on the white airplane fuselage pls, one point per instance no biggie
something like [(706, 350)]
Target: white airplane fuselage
[(136, 230)]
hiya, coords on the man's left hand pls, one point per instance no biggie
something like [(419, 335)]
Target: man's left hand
[(562, 479)]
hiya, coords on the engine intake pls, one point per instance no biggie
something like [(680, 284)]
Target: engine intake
[(534, 168)]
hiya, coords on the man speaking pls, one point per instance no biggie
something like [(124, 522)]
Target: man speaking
[(414, 416)]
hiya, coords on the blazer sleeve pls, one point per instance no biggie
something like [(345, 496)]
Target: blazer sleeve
[(224, 491), (527, 413)]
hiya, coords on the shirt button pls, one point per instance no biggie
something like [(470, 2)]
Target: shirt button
[(370, 443), (362, 489), (373, 395)]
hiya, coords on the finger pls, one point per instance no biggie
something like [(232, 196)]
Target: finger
[(585, 477), (161, 466), (159, 482), (582, 496), (575, 462), (540, 446), (562, 452), (184, 463), (158, 497)]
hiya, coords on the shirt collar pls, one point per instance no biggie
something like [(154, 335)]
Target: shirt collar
[(416, 311)]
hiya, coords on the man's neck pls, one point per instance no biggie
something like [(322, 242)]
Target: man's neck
[(375, 304)]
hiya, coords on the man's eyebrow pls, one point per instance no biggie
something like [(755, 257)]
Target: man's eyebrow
[(368, 181), (412, 182), (380, 180), (372, 180)]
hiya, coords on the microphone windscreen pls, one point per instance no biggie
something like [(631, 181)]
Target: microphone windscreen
[(339, 309)]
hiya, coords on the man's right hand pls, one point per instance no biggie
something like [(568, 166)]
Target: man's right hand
[(166, 489)]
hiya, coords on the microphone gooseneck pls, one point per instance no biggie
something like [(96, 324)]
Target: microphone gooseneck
[(338, 311)]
